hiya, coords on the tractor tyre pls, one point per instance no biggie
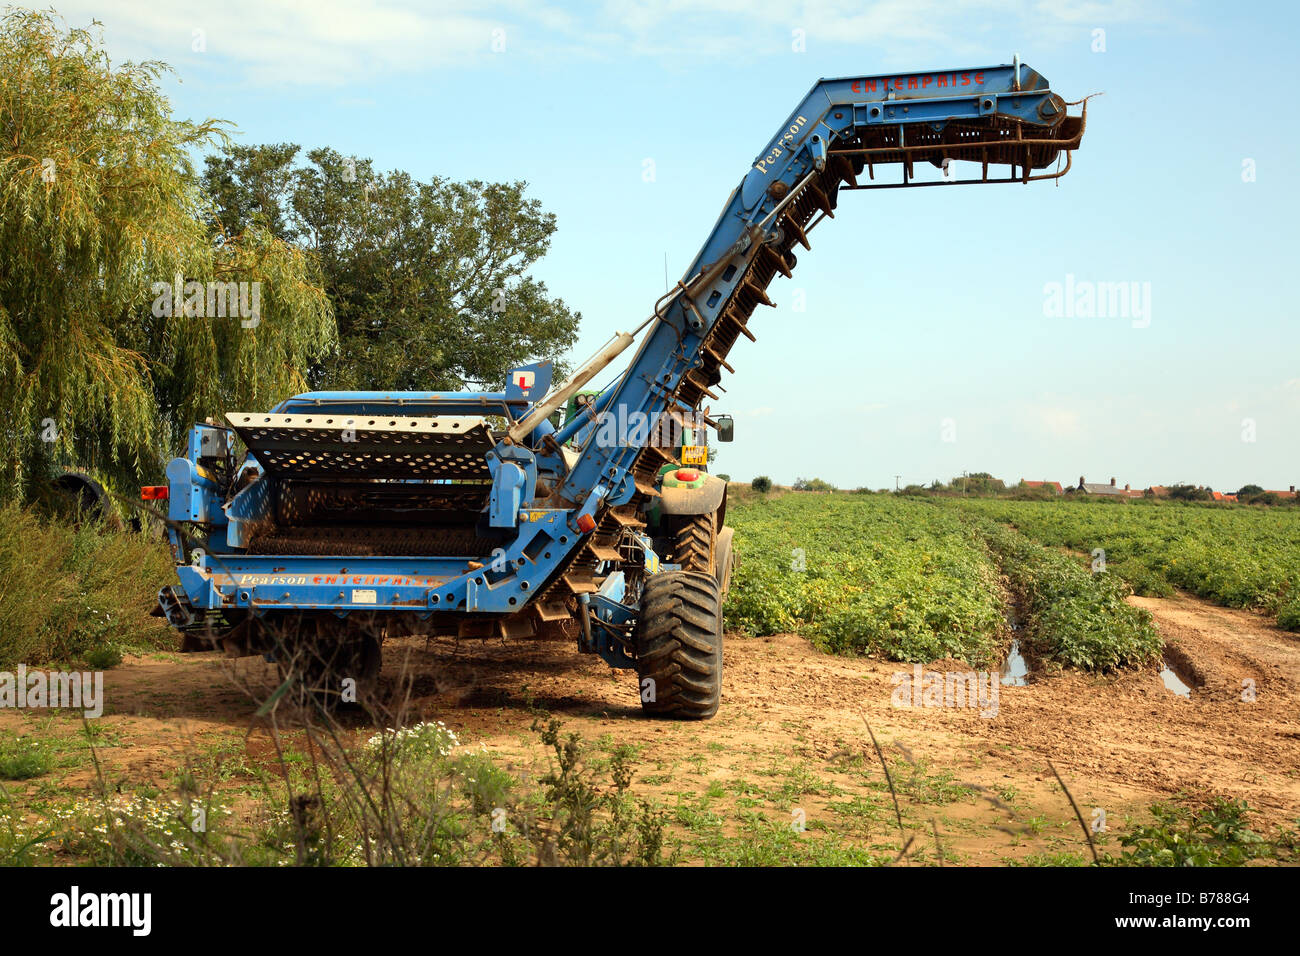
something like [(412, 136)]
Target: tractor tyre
[(679, 645), (695, 541), (726, 561)]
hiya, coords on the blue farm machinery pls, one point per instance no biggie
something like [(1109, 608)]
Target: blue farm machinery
[(313, 531)]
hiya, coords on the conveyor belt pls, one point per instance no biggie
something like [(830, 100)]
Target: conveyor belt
[(997, 141), (339, 446), (372, 541)]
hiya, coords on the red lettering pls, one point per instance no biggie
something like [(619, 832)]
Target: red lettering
[(943, 80), (911, 82), (926, 82), (898, 82), (979, 77), (871, 86), (965, 79), (856, 86)]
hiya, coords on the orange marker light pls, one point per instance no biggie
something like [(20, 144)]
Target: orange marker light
[(154, 493), (687, 474), (586, 523)]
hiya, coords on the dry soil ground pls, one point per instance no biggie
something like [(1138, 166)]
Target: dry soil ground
[(791, 741)]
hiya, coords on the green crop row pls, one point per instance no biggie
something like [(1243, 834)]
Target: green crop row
[(918, 581), (866, 574), (1238, 557), (1075, 616)]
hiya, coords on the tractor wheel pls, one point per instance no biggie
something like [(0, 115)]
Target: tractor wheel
[(679, 645), (84, 499), (695, 541), (726, 561)]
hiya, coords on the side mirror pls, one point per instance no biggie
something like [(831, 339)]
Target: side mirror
[(726, 428)]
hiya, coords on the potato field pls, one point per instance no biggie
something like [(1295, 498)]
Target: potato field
[(917, 580)]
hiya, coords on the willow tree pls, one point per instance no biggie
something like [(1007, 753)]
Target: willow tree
[(101, 211)]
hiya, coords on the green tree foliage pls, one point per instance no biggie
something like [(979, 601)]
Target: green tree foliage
[(429, 279), (251, 184), (761, 484), (99, 202), (812, 484), (1255, 495), (978, 483), (1190, 493)]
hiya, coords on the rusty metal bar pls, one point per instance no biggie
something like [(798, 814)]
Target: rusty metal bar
[(1069, 158), (1060, 145)]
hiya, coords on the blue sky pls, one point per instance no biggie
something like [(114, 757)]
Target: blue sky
[(925, 348)]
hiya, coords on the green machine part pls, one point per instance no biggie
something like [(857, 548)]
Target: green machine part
[(571, 409), (688, 435)]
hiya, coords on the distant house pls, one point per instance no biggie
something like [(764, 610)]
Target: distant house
[(1053, 486), (1220, 496), (1092, 488), (1159, 491), (1284, 494)]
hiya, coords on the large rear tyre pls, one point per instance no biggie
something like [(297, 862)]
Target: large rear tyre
[(695, 541), (725, 560), (679, 645)]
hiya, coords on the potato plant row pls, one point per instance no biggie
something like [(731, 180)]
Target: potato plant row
[(912, 580), (1235, 556), (1076, 617), (866, 575)]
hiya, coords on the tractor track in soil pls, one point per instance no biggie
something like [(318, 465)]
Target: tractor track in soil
[(1120, 742)]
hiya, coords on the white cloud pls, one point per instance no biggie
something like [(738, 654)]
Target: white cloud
[(1098, 13), (315, 42), (340, 42)]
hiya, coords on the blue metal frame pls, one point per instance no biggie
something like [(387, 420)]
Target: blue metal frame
[(224, 577)]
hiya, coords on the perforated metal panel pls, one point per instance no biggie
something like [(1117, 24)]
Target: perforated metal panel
[(343, 446)]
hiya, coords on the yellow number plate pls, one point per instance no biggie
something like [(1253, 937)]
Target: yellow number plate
[(695, 455)]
